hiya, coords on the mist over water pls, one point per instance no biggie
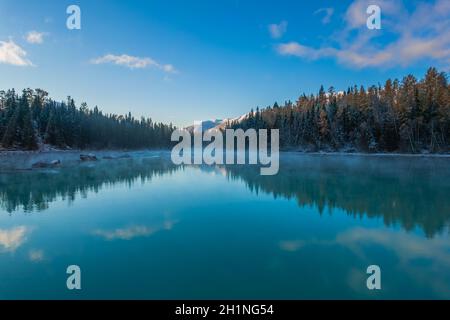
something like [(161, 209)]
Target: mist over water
[(145, 228)]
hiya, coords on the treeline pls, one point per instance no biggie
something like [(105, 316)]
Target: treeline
[(32, 119), (405, 116)]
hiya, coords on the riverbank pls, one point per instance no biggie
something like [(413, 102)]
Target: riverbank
[(37, 153), (362, 154), (27, 160)]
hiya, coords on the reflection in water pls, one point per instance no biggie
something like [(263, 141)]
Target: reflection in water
[(127, 233), (408, 247), (131, 232), (34, 190), (36, 255), (410, 191), (225, 232), (11, 239), (416, 257)]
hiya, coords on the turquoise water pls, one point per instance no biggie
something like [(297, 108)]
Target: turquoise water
[(142, 228)]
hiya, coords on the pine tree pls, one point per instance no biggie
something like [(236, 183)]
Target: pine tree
[(406, 116)]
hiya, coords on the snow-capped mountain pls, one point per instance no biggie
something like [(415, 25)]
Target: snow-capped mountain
[(204, 125), (216, 124)]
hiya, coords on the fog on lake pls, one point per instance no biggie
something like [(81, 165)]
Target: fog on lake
[(141, 227)]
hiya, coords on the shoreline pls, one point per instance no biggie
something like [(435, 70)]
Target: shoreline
[(297, 152), (87, 151), (17, 160), (375, 154), (26, 160)]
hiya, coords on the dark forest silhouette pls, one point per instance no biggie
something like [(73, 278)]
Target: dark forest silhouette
[(33, 119)]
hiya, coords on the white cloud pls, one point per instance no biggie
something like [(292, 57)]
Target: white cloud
[(35, 37), (11, 239), (169, 68), (406, 37), (345, 56), (278, 30), (328, 13), (298, 50), (133, 62), (356, 16), (125, 60), (11, 53)]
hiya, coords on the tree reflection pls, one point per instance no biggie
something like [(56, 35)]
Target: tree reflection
[(411, 192), (35, 190)]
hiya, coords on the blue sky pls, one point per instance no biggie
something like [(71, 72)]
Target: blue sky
[(180, 61)]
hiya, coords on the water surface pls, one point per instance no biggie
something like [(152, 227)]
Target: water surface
[(142, 228)]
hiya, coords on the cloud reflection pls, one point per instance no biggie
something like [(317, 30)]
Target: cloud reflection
[(11, 239), (408, 247), (36, 255), (124, 233), (292, 246), (131, 232)]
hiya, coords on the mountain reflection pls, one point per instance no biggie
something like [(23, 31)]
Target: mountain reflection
[(409, 192)]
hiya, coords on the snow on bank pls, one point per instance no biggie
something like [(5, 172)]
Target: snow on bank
[(362, 154), (24, 160)]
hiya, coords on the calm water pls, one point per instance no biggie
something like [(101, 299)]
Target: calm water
[(142, 228)]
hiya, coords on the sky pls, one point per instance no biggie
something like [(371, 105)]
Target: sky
[(182, 61)]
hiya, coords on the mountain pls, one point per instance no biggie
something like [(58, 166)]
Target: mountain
[(204, 125), (216, 124)]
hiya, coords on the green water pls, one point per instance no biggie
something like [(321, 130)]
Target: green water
[(142, 228)]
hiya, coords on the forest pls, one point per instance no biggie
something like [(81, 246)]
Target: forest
[(409, 116), (31, 120)]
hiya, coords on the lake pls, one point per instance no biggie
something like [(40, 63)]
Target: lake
[(142, 228)]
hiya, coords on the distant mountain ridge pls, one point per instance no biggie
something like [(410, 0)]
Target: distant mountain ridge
[(215, 124)]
